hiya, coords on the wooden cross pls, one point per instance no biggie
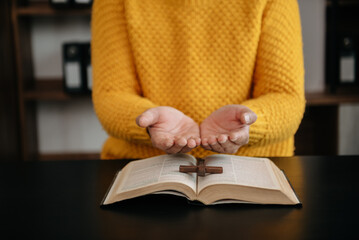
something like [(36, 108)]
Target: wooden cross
[(201, 169)]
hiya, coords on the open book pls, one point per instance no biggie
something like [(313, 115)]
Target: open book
[(244, 180)]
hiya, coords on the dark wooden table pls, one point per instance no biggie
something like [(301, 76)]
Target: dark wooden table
[(61, 200)]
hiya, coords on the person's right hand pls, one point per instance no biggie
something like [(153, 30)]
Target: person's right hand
[(170, 130)]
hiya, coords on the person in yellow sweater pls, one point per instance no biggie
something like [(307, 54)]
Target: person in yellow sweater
[(197, 76)]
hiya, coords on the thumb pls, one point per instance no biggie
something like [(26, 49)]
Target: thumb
[(246, 116), (147, 118)]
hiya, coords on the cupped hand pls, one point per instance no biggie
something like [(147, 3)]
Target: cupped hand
[(227, 129), (170, 129)]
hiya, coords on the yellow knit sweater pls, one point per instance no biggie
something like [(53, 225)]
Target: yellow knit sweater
[(197, 56)]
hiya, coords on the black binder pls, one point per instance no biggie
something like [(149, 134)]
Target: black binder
[(71, 3), (348, 61), (74, 80), (60, 3), (77, 68), (87, 66), (82, 3)]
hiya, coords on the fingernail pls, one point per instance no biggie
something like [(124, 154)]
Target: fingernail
[(247, 118), (142, 122)]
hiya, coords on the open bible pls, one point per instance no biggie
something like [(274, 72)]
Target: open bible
[(244, 180)]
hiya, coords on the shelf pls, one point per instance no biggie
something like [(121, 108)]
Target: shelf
[(44, 9), (344, 3), (50, 89), (68, 156), (321, 99)]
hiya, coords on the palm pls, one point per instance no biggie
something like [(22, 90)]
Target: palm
[(227, 129), (170, 129), (222, 121), (174, 125)]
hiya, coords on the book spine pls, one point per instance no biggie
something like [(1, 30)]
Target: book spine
[(108, 190), (299, 204)]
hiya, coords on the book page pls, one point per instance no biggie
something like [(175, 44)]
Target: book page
[(246, 171), (164, 168)]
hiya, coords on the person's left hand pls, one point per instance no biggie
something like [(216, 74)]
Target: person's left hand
[(227, 129)]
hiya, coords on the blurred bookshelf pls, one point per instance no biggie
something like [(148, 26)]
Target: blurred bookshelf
[(319, 131), (31, 90)]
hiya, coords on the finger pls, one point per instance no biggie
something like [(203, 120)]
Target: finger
[(198, 141), (178, 145), (233, 136), (229, 147), (226, 144), (242, 138), (222, 138), (245, 115), (191, 143), (185, 149), (147, 118), (205, 144), (213, 142)]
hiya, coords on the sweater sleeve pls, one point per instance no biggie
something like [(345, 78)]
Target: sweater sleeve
[(278, 80), (116, 90)]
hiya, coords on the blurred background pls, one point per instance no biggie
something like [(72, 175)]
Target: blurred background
[(46, 111)]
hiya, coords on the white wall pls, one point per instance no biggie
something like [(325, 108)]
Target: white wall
[(313, 24), (71, 126), (349, 129)]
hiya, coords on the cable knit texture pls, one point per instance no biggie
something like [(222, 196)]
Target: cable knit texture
[(197, 56)]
